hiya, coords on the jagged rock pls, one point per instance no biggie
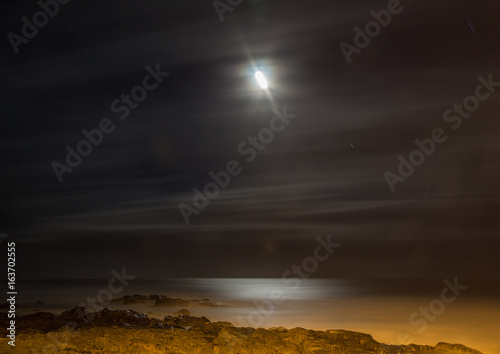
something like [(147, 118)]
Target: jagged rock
[(77, 318), (456, 348), (76, 315), (128, 331), (124, 318)]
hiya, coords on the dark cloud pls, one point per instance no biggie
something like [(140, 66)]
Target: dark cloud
[(322, 175)]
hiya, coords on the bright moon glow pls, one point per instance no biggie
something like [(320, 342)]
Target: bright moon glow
[(261, 79)]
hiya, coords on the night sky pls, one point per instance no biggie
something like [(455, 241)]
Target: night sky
[(323, 174)]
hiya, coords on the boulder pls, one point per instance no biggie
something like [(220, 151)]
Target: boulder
[(182, 312)]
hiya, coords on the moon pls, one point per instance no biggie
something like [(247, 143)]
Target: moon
[(261, 79)]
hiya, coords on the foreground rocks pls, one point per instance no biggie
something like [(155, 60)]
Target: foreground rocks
[(185, 320), (77, 318), (129, 331)]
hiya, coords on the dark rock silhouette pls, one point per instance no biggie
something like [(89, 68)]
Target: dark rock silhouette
[(182, 312)]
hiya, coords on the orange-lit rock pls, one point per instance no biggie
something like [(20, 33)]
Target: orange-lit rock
[(120, 331)]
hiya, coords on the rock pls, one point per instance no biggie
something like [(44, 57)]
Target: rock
[(128, 331), (185, 321), (182, 312), (122, 318), (168, 301), (40, 321), (135, 299), (76, 315), (77, 318), (456, 348)]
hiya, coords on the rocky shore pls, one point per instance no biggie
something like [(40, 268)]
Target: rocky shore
[(128, 331)]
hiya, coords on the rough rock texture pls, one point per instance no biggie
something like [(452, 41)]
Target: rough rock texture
[(185, 321), (132, 332), (78, 318)]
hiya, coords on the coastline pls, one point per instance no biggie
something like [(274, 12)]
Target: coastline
[(129, 331)]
